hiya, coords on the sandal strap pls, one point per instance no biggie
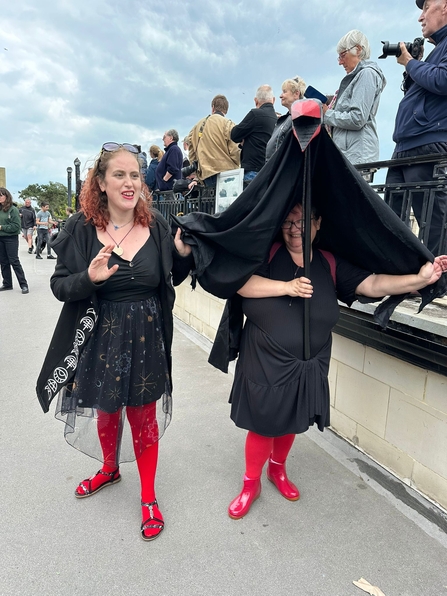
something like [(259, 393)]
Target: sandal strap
[(106, 473), (149, 504), (88, 489), (149, 522)]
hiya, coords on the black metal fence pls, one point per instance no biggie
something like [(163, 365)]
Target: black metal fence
[(414, 202), (201, 199)]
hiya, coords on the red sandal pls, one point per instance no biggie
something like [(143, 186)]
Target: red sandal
[(86, 485), (152, 522)]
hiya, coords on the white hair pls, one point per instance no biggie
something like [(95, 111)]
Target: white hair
[(264, 93), (296, 85), (351, 40)]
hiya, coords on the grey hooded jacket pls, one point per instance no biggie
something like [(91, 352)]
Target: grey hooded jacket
[(353, 117)]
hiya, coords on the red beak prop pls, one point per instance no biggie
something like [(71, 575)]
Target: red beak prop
[(307, 115)]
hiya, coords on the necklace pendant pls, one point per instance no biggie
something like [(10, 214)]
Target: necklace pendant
[(116, 227), (118, 250)]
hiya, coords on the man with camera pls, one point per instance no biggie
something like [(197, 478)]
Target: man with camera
[(210, 143), (421, 120)]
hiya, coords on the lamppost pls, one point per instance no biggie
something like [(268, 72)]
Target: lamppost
[(69, 171), (77, 164)]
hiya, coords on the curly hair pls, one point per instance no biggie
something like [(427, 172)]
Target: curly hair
[(4, 192), (94, 204), (295, 85)]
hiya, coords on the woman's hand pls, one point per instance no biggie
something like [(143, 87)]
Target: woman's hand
[(300, 286), (183, 249), (98, 270), (431, 272)]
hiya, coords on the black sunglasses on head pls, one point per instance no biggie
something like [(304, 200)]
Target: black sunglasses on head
[(116, 146)]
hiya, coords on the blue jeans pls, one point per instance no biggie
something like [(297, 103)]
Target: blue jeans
[(210, 181), (249, 177)]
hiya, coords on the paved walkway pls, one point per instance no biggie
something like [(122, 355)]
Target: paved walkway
[(352, 521)]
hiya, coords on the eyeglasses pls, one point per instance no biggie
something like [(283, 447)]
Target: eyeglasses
[(342, 55), (116, 146), (299, 224)]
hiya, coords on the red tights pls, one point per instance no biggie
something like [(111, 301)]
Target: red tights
[(258, 449), (143, 424)]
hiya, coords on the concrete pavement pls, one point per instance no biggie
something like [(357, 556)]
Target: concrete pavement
[(353, 519)]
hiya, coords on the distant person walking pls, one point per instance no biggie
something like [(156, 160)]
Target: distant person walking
[(44, 220), (9, 243), (28, 217)]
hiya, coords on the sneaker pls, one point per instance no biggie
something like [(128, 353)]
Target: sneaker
[(30, 251), (38, 257), (3, 288), (50, 257), (25, 290)]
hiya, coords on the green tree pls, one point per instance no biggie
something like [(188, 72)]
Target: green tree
[(54, 193)]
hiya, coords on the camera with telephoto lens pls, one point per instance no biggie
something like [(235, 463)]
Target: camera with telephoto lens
[(393, 49), (188, 170)]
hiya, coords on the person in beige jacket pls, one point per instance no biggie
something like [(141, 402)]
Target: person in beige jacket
[(210, 143)]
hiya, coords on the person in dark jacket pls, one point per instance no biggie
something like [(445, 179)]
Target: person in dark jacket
[(421, 120), (28, 217), (292, 90), (156, 154), (9, 243), (170, 166), (254, 132), (110, 356)]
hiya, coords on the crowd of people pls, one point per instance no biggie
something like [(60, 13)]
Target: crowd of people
[(117, 264), (215, 144)]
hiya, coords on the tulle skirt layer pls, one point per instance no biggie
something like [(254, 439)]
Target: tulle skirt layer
[(122, 373)]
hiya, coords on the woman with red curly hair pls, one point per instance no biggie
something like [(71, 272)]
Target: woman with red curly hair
[(110, 356)]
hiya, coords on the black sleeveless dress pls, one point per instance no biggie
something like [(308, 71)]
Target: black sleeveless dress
[(275, 391)]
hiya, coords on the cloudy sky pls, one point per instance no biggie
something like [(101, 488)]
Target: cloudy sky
[(74, 75)]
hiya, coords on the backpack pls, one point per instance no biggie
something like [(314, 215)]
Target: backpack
[(326, 254)]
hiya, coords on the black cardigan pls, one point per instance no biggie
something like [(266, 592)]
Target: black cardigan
[(71, 284)]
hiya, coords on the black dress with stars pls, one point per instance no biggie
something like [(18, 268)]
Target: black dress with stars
[(124, 362)]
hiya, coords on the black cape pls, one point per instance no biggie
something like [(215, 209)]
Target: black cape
[(356, 225)]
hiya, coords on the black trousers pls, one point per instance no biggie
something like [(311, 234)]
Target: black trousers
[(421, 173), (43, 237), (9, 257)]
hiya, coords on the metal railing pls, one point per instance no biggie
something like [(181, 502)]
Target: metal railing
[(202, 199), (400, 197)]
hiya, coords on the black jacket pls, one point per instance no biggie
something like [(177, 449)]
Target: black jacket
[(28, 217), (255, 130), (71, 284)]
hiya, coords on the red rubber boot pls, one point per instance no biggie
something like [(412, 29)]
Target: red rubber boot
[(240, 506), (276, 473)]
